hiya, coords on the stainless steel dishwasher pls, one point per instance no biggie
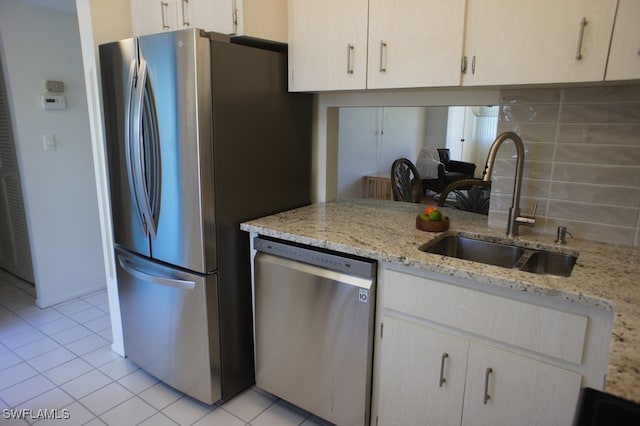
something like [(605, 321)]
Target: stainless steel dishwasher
[(314, 319)]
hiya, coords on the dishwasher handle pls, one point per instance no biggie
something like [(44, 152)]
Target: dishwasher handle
[(169, 282)]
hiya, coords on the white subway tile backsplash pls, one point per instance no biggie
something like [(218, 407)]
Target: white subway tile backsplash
[(592, 231), (522, 96), (530, 132), (615, 134), (602, 175), (616, 155), (529, 113), (594, 213), (595, 194), (582, 160), (602, 94), (627, 113)]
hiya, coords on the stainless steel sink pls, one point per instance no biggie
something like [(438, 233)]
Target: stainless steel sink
[(550, 263), (476, 250), (503, 254)]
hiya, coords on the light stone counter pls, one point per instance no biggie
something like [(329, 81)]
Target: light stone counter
[(605, 276)]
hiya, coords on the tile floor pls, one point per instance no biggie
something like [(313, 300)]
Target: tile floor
[(60, 359)]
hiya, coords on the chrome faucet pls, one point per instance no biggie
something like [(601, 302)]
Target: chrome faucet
[(515, 218)]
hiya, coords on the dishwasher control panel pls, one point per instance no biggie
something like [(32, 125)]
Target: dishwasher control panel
[(340, 262)]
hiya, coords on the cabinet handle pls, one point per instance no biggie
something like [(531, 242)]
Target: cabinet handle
[(463, 66), (487, 373), (383, 59), (583, 23), (234, 17), (473, 65), (163, 11), (442, 361), (350, 48), (185, 13)]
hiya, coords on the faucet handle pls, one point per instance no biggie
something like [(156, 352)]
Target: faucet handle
[(528, 219)]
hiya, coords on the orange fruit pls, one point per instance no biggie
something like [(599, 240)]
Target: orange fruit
[(428, 210)]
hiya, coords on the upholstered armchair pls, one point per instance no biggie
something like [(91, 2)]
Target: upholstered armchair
[(448, 171)]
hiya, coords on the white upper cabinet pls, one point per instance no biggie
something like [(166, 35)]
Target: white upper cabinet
[(373, 44), (256, 18), (327, 45), (415, 43), (153, 16), (624, 56), (530, 42)]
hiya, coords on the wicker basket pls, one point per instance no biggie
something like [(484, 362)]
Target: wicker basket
[(431, 226)]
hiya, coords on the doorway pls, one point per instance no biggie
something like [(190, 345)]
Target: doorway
[(15, 252)]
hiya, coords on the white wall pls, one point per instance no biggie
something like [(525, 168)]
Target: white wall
[(59, 186), (437, 118), (370, 139), (103, 21)]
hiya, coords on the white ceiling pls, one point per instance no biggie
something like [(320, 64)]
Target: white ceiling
[(66, 6)]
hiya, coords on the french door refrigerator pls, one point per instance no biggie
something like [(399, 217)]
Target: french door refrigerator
[(201, 134)]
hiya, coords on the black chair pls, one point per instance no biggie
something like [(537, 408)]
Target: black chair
[(450, 171), (405, 181), (471, 195)]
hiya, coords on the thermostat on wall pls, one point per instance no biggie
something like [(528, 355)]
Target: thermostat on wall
[(50, 102)]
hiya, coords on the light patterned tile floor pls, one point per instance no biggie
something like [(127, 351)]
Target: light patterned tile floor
[(59, 358)]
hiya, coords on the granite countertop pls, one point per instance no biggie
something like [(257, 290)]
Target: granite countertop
[(605, 276)]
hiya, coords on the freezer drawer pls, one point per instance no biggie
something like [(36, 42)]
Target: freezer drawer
[(314, 337), (170, 324)]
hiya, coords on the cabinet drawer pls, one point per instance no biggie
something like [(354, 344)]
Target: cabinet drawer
[(533, 327)]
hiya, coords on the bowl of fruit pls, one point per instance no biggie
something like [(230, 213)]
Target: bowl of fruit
[(432, 220)]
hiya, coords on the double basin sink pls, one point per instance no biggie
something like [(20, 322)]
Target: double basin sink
[(503, 254)]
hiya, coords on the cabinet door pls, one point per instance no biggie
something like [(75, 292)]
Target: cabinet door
[(261, 19), (209, 15), (624, 57), (194, 14), (327, 45), (527, 42), (517, 390), (422, 375), (153, 16), (415, 44)]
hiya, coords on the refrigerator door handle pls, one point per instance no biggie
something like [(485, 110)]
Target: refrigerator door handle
[(137, 147), (145, 276), (128, 136)]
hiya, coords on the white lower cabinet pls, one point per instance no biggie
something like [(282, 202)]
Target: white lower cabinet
[(422, 376), (456, 352), (507, 389), (428, 376)]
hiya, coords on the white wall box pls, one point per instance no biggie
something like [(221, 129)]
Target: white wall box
[(254, 18), (624, 55), (457, 352)]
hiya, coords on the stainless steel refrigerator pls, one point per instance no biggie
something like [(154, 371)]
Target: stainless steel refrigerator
[(201, 134)]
